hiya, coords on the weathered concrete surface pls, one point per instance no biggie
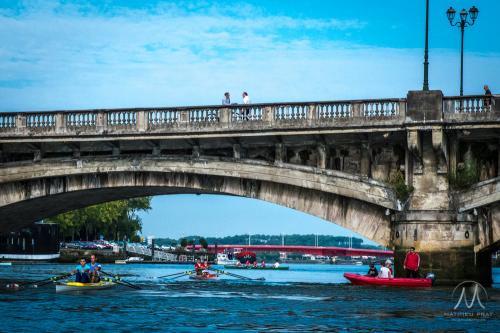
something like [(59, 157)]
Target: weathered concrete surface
[(33, 193), (481, 194)]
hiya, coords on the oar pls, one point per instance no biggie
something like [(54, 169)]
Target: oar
[(47, 281), (119, 281), (180, 274), (123, 283), (239, 276)]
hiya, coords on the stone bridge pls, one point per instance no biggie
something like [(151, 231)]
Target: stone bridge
[(418, 171)]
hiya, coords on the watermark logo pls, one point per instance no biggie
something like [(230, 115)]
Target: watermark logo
[(470, 290), (469, 298)]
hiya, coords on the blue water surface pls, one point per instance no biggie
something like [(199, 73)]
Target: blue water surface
[(307, 298)]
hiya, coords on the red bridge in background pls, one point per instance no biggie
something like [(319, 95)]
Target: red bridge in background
[(313, 250)]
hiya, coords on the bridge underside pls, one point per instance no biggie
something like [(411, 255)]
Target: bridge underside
[(30, 198)]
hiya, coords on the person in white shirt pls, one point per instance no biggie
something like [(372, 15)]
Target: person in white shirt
[(385, 272), (246, 100), (276, 264)]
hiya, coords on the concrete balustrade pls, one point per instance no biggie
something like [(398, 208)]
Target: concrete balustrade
[(365, 113)]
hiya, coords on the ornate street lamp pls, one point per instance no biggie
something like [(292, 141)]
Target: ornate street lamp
[(462, 23)]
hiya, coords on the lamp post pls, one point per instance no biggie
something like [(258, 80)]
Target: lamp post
[(426, 51), (462, 23)]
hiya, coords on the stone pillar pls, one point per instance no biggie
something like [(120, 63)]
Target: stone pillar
[(365, 165), (321, 156), (142, 121), (236, 151), (225, 116), (60, 122), (453, 160), (101, 121), (279, 156), (196, 152)]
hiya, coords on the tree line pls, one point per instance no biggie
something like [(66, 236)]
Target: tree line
[(116, 220), (258, 239)]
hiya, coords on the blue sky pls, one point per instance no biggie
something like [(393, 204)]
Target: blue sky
[(59, 54)]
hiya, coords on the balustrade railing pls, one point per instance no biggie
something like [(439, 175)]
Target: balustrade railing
[(267, 115), (468, 104), (291, 112), (162, 118), (334, 110), (41, 120), (203, 117), (122, 118), (81, 119), (381, 108), (246, 113), (7, 121)]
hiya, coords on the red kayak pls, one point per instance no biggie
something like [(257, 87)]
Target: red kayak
[(399, 282)]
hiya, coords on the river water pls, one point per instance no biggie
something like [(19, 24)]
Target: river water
[(307, 298)]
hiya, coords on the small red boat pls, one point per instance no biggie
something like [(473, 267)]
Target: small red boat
[(204, 277), (399, 282)]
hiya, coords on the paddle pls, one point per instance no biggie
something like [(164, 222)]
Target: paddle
[(117, 279), (16, 286), (123, 283), (179, 273), (239, 276)]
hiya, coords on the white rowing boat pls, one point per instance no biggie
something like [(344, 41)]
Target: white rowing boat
[(78, 286)]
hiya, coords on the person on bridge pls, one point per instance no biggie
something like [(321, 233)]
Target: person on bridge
[(227, 99), (487, 94), (372, 271), (412, 264), (246, 100), (95, 269), (81, 272)]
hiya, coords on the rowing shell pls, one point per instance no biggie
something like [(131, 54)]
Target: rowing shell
[(78, 286), (272, 268), (204, 277)]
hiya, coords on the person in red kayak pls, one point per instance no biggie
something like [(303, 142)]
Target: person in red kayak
[(412, 263)]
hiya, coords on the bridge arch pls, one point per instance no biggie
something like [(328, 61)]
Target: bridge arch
[(32, 191)]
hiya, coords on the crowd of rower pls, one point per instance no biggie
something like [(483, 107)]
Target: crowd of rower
[(255, 264)]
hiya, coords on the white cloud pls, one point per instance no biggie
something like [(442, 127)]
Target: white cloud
[(65, 57)]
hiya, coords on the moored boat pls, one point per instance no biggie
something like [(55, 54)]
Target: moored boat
[(78, 286), (272, 268), (357, 279)]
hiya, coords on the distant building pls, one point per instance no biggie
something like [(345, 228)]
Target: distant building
[(39, 241)]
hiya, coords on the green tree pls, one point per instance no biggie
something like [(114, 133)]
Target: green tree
[(203, 242), (113, 220), (184, 242)]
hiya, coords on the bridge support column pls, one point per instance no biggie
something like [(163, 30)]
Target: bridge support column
[(444, 238), (445, 242)]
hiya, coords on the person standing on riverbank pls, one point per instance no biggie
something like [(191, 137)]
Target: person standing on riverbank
[(412, 263)]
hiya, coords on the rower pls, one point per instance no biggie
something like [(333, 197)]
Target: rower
[(205, 266), (255, 264), (198, 267), (95, 269), (247, 263), (276, 264), (82, 272), (263, 264)]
